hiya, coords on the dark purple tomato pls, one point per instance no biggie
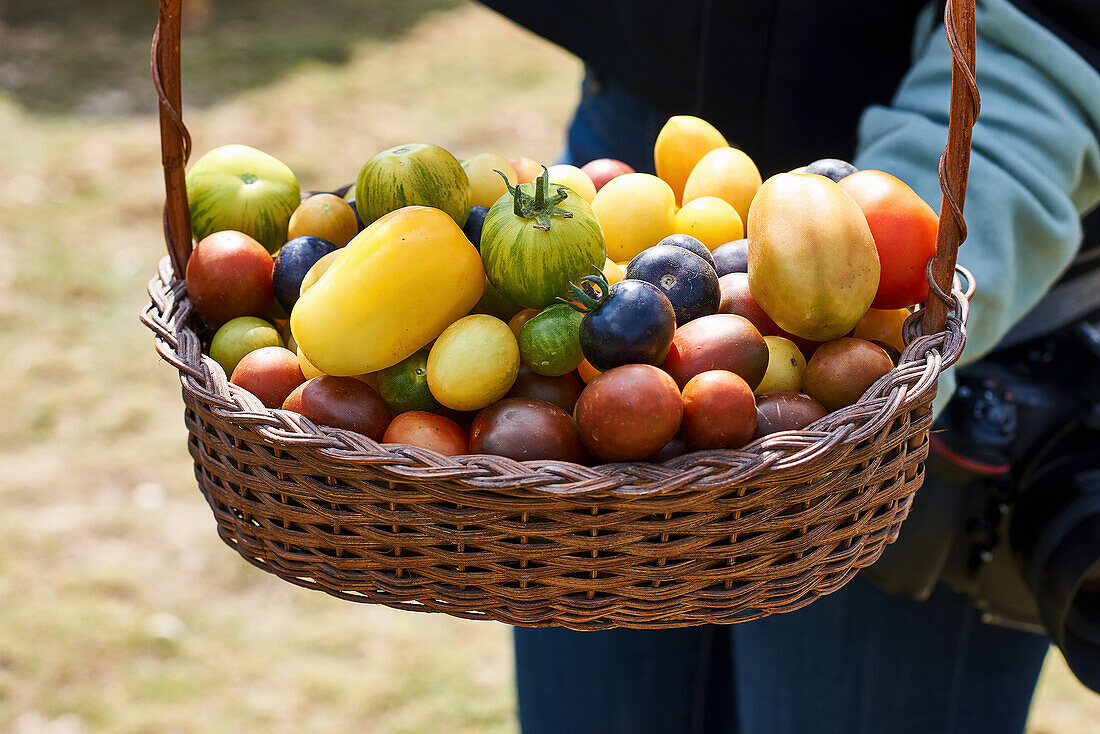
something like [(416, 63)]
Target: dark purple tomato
[(691, 244), (358, 219), (526, 430), (676, 446), (732, 257), (632, 322), (562, 391), (341, 402), (690, 284), (474, 222), (833, 168), (785, 410), (293, 262)]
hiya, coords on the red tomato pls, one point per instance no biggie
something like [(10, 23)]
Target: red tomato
[(628, 413), (904, 228), (719, 410), (270, 373), (428, 431)]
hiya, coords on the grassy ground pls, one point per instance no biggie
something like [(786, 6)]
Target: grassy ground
[(120, 610)]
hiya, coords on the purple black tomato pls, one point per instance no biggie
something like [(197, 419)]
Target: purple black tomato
[(732, 257), (833, 168), (474, 222), (294, 261), (691, 244), (630, 322), (689, 283)]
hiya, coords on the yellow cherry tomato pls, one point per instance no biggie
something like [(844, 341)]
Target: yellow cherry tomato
[(728, 174), (635, 211), (326, 216), (883, 325), (486, 185), (473, 363), (612, 271), (710, 220), (574, 178), (681, 143), (785, 366)]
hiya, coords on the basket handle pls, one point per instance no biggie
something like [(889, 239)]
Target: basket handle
[(175, 143)]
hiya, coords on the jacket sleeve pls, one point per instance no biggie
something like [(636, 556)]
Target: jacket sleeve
[(1035, 166)]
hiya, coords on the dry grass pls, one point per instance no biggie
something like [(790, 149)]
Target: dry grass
[(120, 610)]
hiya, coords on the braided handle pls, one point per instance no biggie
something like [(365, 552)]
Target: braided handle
[(954, 163)]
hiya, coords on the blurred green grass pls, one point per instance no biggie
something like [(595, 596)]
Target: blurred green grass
[(120, 610)]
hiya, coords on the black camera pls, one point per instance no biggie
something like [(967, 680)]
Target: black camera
[(1010, 508)]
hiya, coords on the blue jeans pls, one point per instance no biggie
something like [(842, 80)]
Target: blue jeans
[(859, 660)]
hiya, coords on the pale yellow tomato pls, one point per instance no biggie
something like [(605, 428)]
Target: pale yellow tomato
[(710, 220), (574, 178), (728, 174), (785, 366), (883, 325), (486, 185), (612, 271), (683, 140), (635, 211), (473, 363)]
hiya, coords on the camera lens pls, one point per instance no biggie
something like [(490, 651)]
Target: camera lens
[(1056, 534)]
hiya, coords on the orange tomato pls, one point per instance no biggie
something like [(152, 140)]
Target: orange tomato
[(904, 229)]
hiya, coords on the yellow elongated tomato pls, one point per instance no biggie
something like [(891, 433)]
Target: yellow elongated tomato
[(486, 185), (395, 287), (682, 142), (473, 363), (710, 220), (635, 211), (728, 174), (574, 178), (813, 266)]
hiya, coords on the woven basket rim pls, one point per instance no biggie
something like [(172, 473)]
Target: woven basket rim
[(169, 312)]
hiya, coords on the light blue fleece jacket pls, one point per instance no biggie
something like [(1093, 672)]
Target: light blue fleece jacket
[(1035, 166)]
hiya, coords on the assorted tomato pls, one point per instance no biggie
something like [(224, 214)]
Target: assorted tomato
[(497, 306)]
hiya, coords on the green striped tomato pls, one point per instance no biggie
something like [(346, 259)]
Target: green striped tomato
[(240, 188), (533, 252), (413, 174)]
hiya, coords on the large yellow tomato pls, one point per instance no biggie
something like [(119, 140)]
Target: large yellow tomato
[(635, 211), (728, 174), (393, 289), (680, 144)]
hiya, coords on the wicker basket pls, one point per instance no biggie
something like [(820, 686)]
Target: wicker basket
[(709, 537)]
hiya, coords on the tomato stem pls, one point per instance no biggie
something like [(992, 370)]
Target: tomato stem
[(539, 207)]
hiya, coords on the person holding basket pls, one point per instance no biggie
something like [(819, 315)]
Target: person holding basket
[(1007, 527)]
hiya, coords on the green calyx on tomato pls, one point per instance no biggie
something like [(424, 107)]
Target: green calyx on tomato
[(539, 207), (590, 294)]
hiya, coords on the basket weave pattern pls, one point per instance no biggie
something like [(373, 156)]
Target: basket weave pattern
[(709, 537)]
